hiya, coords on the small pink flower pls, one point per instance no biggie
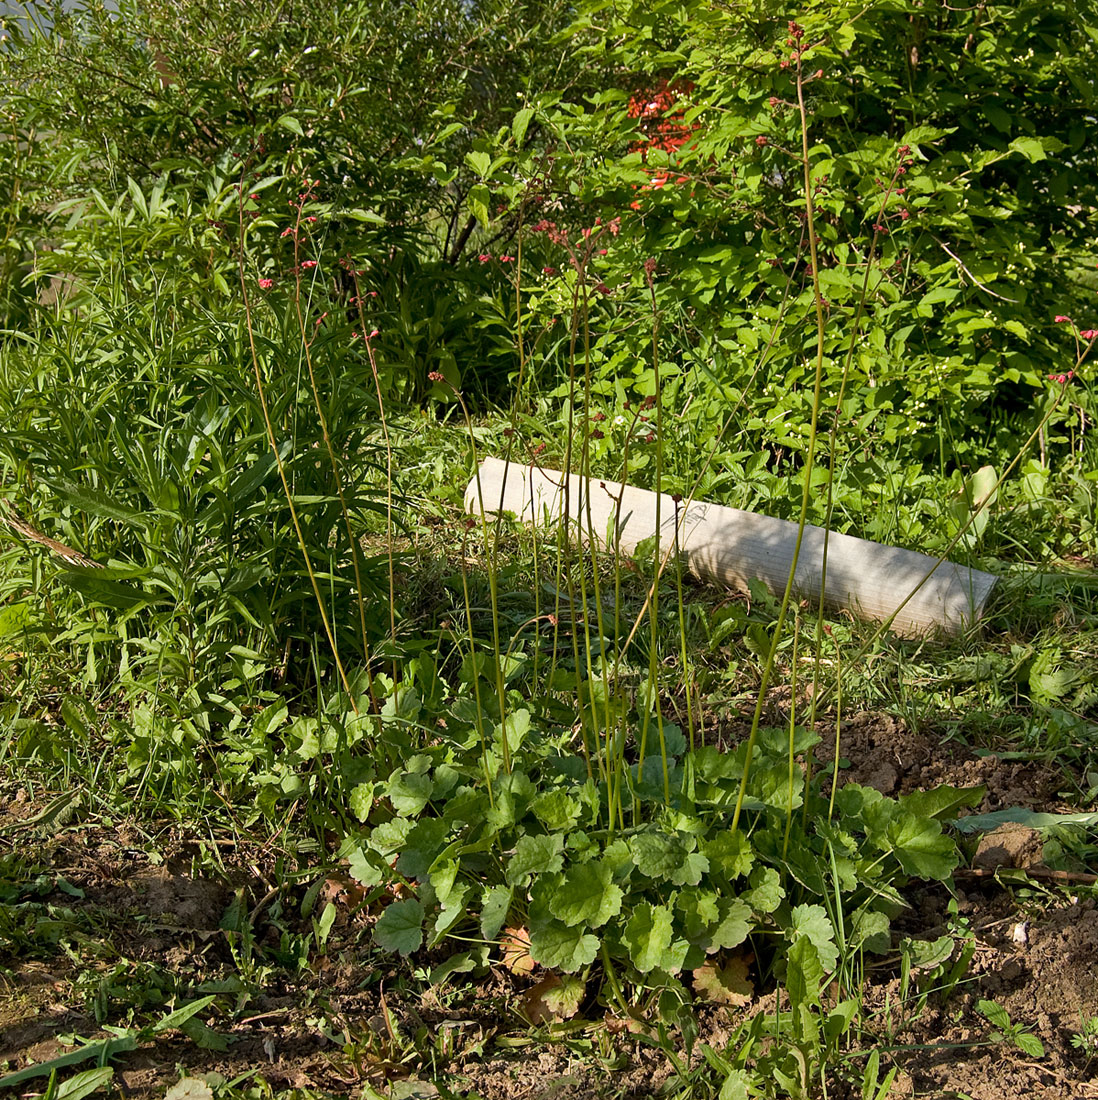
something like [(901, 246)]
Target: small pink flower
[(309, 263), (1089, 333), (548, 271), (372, 334), (1060, 319), (287, 232), (761, 140), (506, 259), (266, 284), (310, 218), (254, 196), (436, 376), (484, 257)]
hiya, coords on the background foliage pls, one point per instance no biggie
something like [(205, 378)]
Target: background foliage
[(275, 275)]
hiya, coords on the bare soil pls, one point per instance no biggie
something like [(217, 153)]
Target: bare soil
[(124, 918)]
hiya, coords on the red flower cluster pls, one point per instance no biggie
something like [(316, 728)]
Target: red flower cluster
[(662, 124)]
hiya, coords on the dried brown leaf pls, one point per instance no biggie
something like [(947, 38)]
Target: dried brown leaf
[(553, 999), (515, 950), (725, 985)]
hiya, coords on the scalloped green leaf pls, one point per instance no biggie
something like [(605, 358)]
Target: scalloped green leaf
[(587, 896), (400, 927), (648, 936), (560, 947), (535, 854)]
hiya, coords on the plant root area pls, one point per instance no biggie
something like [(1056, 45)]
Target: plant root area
[(109, 925)]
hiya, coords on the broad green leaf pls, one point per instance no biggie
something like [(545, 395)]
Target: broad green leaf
[(994, 1013), (85, 1083), (811, 922), (409, 792), (804, 973), (361, 800), (732, 929), (99, 1051), (1035, 819), (766, 891), (424, 842), (400, 927), (363, 869), (535, 854), (461, 963), (693, 867), (942, 802), (648, 936), (927, 954), (921, 848), (203, 1036), (181, 1015), (521, 124), (479, 199), (288, 122), (587, 896), (658, 855), (494, 909), (517, 726), (97, 503), (700, 911), (1029, 1044), (480, 162), (870, 929), (559, 947), (729, 854), (557, 810), (389, 837), (1030, 148), (735, 1086)]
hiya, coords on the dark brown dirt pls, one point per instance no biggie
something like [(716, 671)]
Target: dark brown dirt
[(148, 920)]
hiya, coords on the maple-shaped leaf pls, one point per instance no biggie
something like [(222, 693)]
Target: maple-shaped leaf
[(725, 985), (554, 998), (515, 949)]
